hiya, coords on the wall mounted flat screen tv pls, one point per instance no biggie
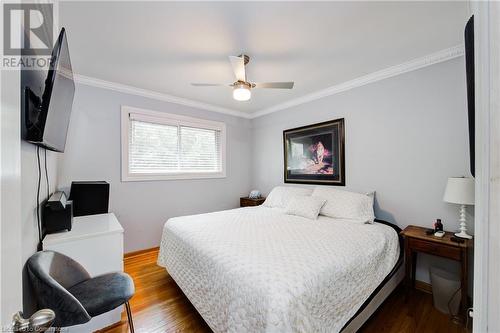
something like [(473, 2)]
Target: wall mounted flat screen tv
[(469, 69), (46, 118)]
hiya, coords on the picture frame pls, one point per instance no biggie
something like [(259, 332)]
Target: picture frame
[(315, 154)]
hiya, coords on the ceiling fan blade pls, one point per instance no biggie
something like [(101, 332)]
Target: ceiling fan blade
[(275, 85), (238, 64), (208, 84)]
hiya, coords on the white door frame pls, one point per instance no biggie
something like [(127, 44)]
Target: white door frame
[(10, 197), (487, 212), (10, 194)]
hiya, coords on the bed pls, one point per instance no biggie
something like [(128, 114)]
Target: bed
[(257, 269)]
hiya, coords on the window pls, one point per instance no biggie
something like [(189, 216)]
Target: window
[(162, 146)]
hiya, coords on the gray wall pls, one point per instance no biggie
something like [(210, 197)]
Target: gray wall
[(29, 182), (29, 178), (404, 137), (35, 79), (93, 152)]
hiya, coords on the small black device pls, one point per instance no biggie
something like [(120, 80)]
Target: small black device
[(57, 214), (89, 197)]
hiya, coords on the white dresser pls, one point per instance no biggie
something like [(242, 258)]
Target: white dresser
[(96, 242)]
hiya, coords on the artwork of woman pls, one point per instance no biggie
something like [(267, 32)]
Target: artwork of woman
[(311, 157), (314, 153), (319, 152)]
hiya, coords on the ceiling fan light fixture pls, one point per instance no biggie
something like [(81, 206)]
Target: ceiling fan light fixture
[(241, 92), (242, 88)]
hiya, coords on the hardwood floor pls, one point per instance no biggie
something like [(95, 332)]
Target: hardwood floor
[(160, 306)]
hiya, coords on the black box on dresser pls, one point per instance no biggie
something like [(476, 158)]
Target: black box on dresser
[(89, 197)]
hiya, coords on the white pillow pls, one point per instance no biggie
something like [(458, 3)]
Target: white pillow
[(305, 206), (281, 195), (345, 204)]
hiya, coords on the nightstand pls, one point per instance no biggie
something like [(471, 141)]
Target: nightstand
[(416, 240), (248, 202)]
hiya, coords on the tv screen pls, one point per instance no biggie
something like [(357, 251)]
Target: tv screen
[(469, 69), (47, 118)]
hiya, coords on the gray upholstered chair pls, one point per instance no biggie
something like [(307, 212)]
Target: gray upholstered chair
[(63, 285)]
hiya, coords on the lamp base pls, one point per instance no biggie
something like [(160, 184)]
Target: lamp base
[(463, 225), (463, 234)]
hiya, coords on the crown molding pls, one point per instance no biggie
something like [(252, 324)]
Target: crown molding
[(415, 64), (123, 88), (412, 65)]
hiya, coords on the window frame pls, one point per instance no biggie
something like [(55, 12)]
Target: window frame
[(167, 119)]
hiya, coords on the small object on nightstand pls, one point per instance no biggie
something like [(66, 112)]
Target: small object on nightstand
[(255, 194), (438, 226), (249, 202), (439, 234)]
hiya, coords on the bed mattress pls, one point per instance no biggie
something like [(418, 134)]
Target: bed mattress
[(257, 269)]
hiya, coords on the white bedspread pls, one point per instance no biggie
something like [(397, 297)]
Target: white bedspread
[(257, 269)]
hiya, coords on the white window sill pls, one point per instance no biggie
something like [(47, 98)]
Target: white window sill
[(174, 176)]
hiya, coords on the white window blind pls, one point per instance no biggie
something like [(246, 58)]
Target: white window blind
[(199, 149), (153, 148), (167, 146)]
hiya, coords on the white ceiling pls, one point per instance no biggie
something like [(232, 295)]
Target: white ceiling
[(164, 46)]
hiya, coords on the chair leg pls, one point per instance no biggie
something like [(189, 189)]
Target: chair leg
[(129, 317)]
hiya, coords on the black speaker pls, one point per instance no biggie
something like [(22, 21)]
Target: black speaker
[(56, 219), (89, 197)]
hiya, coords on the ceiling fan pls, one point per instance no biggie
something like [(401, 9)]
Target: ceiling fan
[(241, 87)]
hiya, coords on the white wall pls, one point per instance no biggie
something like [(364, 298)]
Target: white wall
[(93, 153), (404, 137)]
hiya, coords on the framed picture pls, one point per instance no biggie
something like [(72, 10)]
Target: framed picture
[(315, 154)]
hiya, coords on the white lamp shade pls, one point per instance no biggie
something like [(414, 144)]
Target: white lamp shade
[(242, 93), (459, 191)]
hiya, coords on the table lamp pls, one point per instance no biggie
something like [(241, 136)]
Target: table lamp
[(460, 190)]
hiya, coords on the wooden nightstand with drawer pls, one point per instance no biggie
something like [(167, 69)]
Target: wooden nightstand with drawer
[(248, 202), (416, 240)]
